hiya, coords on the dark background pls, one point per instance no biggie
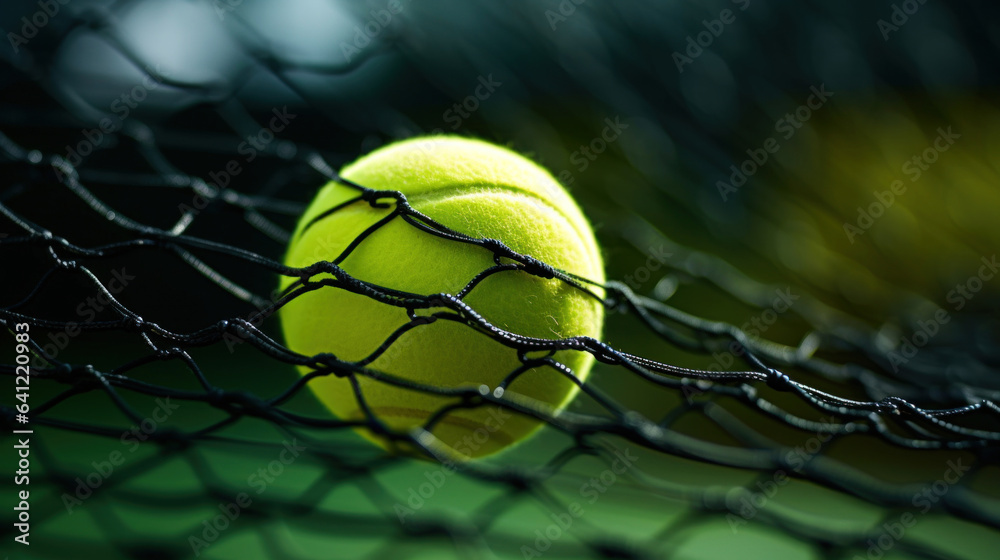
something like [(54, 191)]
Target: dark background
[(221, 70)]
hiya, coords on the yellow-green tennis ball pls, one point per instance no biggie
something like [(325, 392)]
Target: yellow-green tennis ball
[(484, 191)]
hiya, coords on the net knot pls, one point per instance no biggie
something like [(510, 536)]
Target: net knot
[(530, 264), (887, 406), (538, 268), (778, 381), (132, 323), (374, 198)]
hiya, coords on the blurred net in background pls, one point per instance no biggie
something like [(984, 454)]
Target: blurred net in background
[(156, 156)]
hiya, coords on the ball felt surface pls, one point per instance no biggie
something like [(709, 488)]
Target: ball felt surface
[(481, 190)]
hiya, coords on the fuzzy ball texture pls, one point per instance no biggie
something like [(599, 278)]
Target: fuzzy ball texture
[(482, 190)]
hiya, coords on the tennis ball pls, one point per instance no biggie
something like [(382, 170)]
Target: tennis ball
[(481, 190)]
